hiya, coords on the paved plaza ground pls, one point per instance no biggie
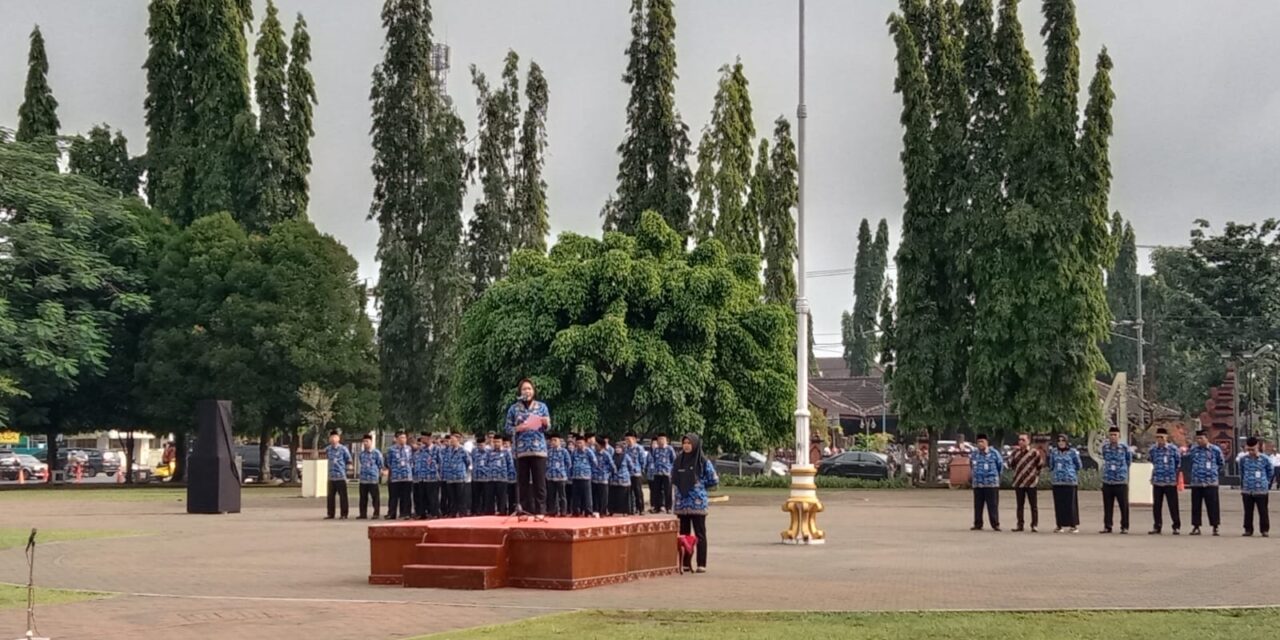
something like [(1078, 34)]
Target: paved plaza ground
[(278, 570)]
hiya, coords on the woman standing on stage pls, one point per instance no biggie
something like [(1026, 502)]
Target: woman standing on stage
[(527, 422), (692, 475)]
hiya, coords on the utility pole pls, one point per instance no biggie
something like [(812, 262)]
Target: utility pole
[(803, 504), (1142, 365)]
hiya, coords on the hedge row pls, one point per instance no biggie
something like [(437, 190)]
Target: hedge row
[(824, 482)]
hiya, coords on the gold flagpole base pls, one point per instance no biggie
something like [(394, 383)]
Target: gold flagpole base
[(803, 505)]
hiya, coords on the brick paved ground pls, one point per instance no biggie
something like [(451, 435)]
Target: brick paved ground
[(277, 569)]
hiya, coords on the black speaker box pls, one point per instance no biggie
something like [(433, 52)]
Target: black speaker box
[(213, 482)]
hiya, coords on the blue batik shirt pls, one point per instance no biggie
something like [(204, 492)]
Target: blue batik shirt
[(1206, 463), (638, 456), (661, 461), (603, 469), (1116, 459), (558, 464), (482, 463), (1165, 460), (582, 464), (425, 466), (1065, 466), (508, 466), (400, 463), (696, 501), (371, 466), (622, 473), (531, 443), (986, 468), (454, 462), (339, 458), (1256, 475)]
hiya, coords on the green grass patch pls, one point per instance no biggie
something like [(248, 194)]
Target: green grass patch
[(13, 537), (737, 625), (106, 494), (15, 597)]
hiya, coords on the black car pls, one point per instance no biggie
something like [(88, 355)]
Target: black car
[(92, 459), (855, 464), (251, 463), (735, 464)]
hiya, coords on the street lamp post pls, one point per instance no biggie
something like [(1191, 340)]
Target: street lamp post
[(803, 504)]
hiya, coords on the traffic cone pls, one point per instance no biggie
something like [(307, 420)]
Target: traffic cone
[(79, 473), (1182, 485), (22, 475)]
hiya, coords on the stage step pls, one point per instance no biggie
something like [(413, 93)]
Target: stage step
[(434, 576), (463, 535), (462, 555)]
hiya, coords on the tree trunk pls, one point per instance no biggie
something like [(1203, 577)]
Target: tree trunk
[(932, 469), (51, 446), (180, 460), (294, 441), (127, 442), (264, 455)]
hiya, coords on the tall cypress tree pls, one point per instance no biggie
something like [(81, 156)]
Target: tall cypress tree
[(418, 170), (887, 331), (38, 114), (166, 88), (105, 160), (530, 221), (489, 237), (653, 173), (732, 131), (273, 122), (218, 125), (704, 185), (758, 199), (301, 99), (1122, 291), (858, 342), (776, 221)]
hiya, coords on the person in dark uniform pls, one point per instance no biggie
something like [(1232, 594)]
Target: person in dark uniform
[(1116, 460), (400, 478), (1166, 462), (986, 464), (557, 477), (1206, 465), (339, 457), (1256, 474), (371, 467)]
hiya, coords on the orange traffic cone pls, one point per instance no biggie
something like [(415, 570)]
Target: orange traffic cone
[(1182, 485), (22, 475), (79, 473)]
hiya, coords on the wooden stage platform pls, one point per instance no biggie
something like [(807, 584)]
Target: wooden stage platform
[(489, 552)]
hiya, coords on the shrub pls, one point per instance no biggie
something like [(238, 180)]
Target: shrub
[(824, 482)]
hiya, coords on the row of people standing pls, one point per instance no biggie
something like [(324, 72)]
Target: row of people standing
[(1206, 461)]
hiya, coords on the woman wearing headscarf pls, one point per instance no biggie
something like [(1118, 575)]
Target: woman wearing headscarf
[(692, 475), (527, 423), (1064, 464)]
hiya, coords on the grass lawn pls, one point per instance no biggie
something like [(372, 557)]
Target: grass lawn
[(12, 597), (14, 537), (731, 625)]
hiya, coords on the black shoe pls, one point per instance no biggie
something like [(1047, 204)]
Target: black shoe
[(362, 517), (975, 528), (1017, 529), (390, 518), (1264, 534), (1195, 531), (1247, 534), (995, 528), (1124, 532), (1033, 530), (1106, 530), (1215, 532), (328, 517), (1176, 532), (1155, 532), (342, 518)]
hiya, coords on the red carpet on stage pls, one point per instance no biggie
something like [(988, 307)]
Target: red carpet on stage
[(488, 552)]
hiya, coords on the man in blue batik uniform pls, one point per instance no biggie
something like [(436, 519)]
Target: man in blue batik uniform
[(371, 467), (986, 464), (1166, 460), (1206, 464), (400, 478), (1256, 474), (557, 477), (1116, 459), (454, 463), (661, 460), (637, 456), (582, 463), (339, 458)]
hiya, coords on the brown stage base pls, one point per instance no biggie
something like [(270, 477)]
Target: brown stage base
[(489, 552)]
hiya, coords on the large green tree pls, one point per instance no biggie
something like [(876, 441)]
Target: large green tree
[(723, 187), (634, 332), (269, 89), (530, 221), (653, 173), (418, 169), (776, 219), (167, 83), (490, 239), (301, 100), (38, 114), (860, 327), (105, 159), (67, 253), (1122, 298)]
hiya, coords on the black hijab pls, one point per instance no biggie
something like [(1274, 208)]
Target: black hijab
[(618, 457), (689, 466)]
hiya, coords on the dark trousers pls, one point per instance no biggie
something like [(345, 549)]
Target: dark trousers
[(1065, 507), (559, 504), (988, 497), (531, 478), (696, 525), (600, 497), (479, 506), (337, 489), (400, 502), (367, 491), (1025, 496), (619, 500), (495, 498), (1259, 500), (1169, 495), (426, 499), (637, 494), (660, 493), (580, 498), (509, 507), (455, 492), (1208, 496), (1111, 494)]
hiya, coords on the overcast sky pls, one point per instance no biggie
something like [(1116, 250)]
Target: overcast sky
[(1197, 112)]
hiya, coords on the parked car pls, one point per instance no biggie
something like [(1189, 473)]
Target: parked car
[(250, 463), (751, 463), (11, 463), (856, 464), (93, 460)]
